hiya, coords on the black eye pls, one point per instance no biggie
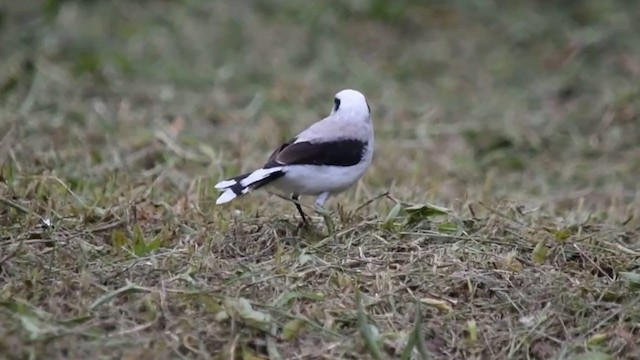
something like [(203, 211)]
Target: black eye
[(337, 102), (368, 107)]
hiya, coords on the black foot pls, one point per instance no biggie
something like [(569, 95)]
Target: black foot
[(303, 225), (295, 197)]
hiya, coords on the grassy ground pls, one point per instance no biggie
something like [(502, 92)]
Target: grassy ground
[(521, 120)]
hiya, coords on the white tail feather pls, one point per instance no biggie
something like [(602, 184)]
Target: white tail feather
[(258, 175), (226, 196), (224, 184), (245, 184)]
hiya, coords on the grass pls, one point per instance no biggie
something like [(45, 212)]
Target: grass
[(500, 218)]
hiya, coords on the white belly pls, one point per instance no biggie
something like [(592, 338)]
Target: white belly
[(314, 180)]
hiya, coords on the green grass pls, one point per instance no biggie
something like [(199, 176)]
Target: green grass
[(500, 218)]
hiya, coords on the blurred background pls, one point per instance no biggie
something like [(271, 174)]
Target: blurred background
[(529, 100)]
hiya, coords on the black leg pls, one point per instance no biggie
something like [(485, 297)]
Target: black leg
[(295, 197)]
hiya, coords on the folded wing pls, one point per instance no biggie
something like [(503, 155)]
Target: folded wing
[(341, 152)]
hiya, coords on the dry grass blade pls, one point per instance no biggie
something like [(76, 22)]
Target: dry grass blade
[(415, 338), (370, 201), (242, 310), (12, 252), (18, 207), (370, 341), (5, 144), (328, 221), (115, 293), (272, 348)]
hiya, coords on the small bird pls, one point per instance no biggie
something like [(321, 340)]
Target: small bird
[(326, 158)]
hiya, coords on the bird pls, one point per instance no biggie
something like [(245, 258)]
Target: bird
[(325, 159)]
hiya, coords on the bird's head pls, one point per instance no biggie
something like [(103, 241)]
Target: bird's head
[(351, 104)]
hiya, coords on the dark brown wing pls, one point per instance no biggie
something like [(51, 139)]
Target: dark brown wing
[(343, 152), (271, 161)]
